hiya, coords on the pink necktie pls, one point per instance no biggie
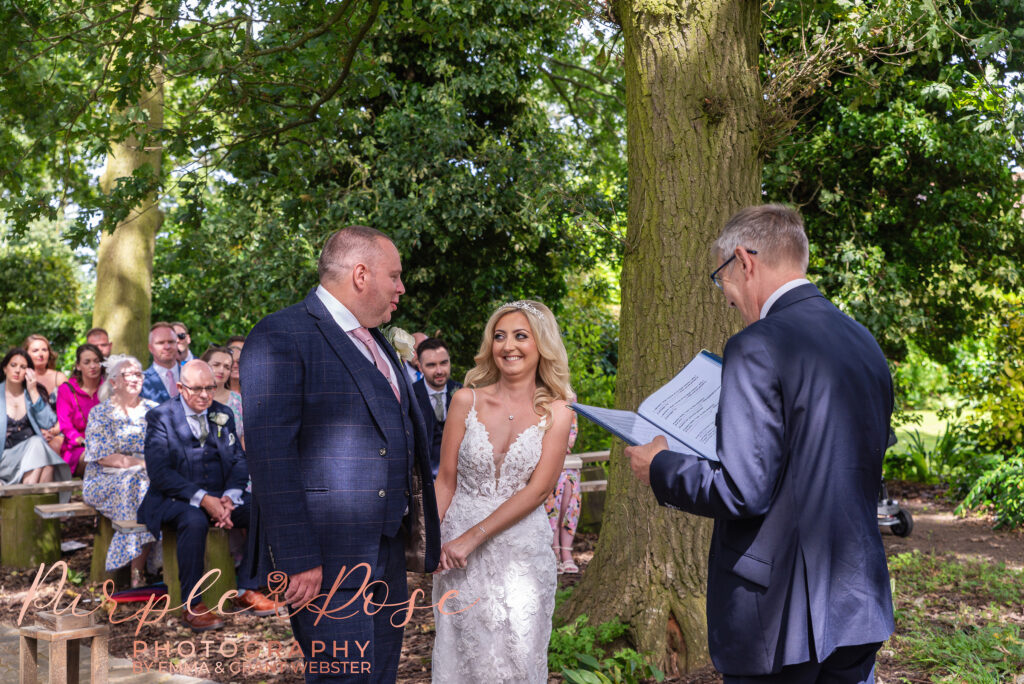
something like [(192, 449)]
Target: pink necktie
[(364, 336), (172, 386)]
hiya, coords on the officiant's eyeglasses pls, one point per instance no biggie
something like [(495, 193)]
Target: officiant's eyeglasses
[(714, 274), (208, 389)]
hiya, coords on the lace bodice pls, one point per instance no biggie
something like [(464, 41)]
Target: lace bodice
[(506, 595), (478, 472)]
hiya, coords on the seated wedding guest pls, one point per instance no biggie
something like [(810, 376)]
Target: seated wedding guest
[(100, 338), (434, 392), (184, 342), (234, 345), (161, 378), (221, 362), (563, 509), (44, 362), (24, 414), (115, 471), (197, 475), (75, 398)]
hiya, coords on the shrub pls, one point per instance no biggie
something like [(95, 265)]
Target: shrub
[(577, 651), (1000, 491)]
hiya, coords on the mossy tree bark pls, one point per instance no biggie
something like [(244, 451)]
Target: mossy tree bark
[(692, 97), (124, 261)]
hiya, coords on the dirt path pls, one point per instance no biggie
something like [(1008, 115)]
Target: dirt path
[(938, 530)]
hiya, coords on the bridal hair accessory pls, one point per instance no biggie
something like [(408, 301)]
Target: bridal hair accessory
[(523, 305)]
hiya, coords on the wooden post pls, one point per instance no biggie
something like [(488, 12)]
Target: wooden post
[(100, 546), (98, 659), (29, 657), (27, 539), (218, 555)]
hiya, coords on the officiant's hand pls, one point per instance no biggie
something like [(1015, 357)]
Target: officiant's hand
[(640, 457)]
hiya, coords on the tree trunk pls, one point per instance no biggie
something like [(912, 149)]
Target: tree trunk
[(124, 261), (692, 99)]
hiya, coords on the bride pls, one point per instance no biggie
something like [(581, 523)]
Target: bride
[(502, 452)]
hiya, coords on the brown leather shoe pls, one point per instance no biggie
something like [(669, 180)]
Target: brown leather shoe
[(257, 604), (203, 618)]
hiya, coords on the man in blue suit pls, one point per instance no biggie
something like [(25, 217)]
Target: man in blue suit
[(798, 587), (338, 452), (197, 477), (160, 381), (434, 392)]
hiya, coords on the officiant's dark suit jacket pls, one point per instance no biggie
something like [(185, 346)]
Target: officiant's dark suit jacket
[(796, 567), (435, 427), (332, 455), (178, 466)]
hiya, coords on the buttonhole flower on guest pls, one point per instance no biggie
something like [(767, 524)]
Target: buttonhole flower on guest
[(220, 420), (403, 342)]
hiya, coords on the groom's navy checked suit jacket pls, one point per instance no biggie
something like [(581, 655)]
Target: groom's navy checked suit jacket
[(796, 560), (324, 437)]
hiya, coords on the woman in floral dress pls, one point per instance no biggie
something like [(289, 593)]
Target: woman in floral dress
[(115, 471), (563, 509)]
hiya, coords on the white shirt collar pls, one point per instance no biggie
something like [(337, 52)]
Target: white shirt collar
[(339, 312), (188, 409), (781, 291), (431, 391)]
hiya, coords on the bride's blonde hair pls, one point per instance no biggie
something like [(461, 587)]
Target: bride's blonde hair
[(552, 370)]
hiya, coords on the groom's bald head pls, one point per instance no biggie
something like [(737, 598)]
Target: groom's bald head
[(347, 248)]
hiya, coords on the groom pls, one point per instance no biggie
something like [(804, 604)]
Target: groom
[(338, 454)]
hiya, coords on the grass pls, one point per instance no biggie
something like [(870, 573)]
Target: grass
[(958, 620), (930, 428)]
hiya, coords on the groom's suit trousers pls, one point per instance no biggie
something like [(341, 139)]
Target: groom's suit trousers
[(348, 645)]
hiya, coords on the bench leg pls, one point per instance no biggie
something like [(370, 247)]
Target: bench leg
[(28, 540), (29, 660), (218, 555), (100, 546), (171, 578)]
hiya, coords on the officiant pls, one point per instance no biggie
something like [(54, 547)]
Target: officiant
[(798, 588)]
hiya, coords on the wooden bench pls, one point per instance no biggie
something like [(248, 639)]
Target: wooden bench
[(577, 461), (218, 555), (100, 541), (26, 539), (75, 509)]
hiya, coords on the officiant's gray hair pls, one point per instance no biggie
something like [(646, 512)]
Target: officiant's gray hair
[(346, 248), (775, 231), (553, 368)]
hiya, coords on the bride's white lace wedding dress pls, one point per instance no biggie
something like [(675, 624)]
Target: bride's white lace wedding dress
[(511, 577)]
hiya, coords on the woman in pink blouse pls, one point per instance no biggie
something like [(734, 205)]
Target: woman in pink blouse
[(75, 398)]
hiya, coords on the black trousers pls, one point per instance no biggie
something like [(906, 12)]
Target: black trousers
[(846, 665), (191, 525)]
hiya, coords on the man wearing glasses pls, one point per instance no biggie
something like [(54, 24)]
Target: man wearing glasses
[(798, 587), (198, 474)]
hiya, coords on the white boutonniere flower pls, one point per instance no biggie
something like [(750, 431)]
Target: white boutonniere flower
[(403, 342), (220, 420)]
